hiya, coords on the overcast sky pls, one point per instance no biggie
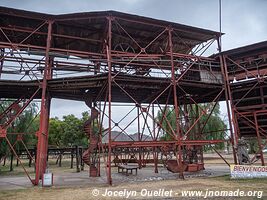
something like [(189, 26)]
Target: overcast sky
[(243, 21)]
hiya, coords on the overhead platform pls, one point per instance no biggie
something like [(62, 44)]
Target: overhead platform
[(139, 50), (248, 51), (250, 99), (247, 62), (247, 67), (142, 89)]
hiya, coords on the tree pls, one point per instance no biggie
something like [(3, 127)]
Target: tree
[(168, 119), (56, 132), (65, 132), (73, 133), (62, 133), (253, 145), (214, 128), (22, 124)]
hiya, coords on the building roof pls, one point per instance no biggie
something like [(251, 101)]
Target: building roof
[(89, 28), (251, 50)]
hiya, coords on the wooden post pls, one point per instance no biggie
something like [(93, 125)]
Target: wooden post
[(60, 158), (77, 159), (4, 164), (81, 156), (71, 161), (35, 155), (11, 162), (30, 160), (47, 155)]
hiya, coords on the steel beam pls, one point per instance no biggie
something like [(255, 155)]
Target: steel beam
[(230, 113), (176, 107), (108, 51), (42, 134), (259, 139)]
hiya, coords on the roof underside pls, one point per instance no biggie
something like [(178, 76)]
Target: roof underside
[(249, 93), (88, 33), (247, 51), (143, 90), (250, 97), (91, 29)]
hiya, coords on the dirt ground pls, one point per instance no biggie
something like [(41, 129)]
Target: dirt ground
[(70, 185), (177, 186)]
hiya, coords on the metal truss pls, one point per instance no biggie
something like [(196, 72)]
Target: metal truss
[(115, 59)]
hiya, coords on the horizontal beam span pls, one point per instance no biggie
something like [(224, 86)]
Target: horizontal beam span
[(136, 144)]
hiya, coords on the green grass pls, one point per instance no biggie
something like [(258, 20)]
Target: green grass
[(10, 192), (18, 170), (242, 180)]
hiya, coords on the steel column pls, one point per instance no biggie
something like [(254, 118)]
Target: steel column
[(2, 51), (176, 107), (42, 134), (108, 50), (227, 96), (259, 138)]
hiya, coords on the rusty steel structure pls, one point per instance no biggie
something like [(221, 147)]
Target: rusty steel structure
[(109, 59), (246, 76)]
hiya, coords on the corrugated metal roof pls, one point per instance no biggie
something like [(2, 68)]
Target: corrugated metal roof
[(247, 51), (92, 25)]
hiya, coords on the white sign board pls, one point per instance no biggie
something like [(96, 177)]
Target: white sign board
[(47, 179), (248, 171)]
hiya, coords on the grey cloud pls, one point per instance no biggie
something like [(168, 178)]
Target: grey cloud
[(60, 107), (244, 22)]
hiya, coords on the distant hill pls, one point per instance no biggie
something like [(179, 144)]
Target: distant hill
[(123, 137)]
